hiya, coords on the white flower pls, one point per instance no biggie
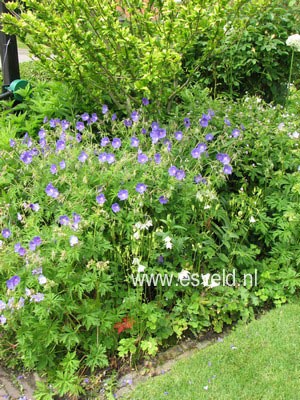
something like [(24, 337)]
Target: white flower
[(135, 261), (205, 279), (2, 305), (148, 224), (168, 242), (252, 219), (42, 280), (295, 135), (214, 284), (294, 42), (184, 274), (73, 240), (138, 225), (136, 235), (141, 268), (281, 126), (169, 245), (205, 283)]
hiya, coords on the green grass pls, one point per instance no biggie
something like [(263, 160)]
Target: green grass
[(264, 364)]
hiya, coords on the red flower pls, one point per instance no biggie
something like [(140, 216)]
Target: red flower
[(125, 324)]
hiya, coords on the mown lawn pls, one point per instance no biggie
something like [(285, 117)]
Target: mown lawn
[(259, 361)]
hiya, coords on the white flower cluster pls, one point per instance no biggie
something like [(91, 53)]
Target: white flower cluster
[(184, 274), (294, 135), (294, 42), (168, 242), (137, 263), (205, 281), (141, 227)]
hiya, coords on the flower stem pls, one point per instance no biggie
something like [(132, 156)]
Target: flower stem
[(290, 77)]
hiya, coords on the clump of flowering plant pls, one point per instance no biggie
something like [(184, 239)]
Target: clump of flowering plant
[(87, 206)]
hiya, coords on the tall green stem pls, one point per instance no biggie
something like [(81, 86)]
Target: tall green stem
[(290, 77)]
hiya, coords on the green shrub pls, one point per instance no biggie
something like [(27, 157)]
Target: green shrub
[(118, 53), (77, 231), (111, 51), (249, 54)]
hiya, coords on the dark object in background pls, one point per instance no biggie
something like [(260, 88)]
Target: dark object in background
[(9, 58)]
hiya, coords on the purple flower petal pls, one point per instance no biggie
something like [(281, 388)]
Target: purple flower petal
[(83, 157), (209, 137), (85, 117), (172, 170), (60, 145), (62, 164), (178, 135), (26, 157), (102, 157), (105, 141), (37, 297), (142, 158), (123, 194), (227, 169), (115, 207), (127, 122), (135, 116), (180, 174), (187, 122), (110, 158), (80, 126), (53, 169), (35, 242), (235, 133), (204, 120), (163, 200), (13, 282), (157, 158), (134, 142), (34, 206), (101, 199), (6, 233), (94, 118), (52, 191), (141, 188), (64, 220), (104, 109), (223, 158), (116, 143)]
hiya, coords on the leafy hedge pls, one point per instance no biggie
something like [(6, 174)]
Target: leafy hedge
[(249, 55), (120, 51), (85, 213)]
